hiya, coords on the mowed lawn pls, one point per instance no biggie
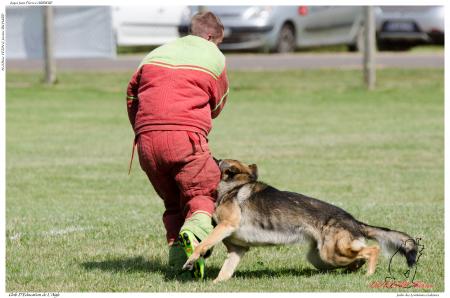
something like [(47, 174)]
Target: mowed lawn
[(75, 220)]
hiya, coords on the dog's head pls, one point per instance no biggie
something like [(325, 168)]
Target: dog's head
[(233, 170)]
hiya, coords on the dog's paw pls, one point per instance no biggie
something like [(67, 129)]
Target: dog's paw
[(189, 265), (369, 273)]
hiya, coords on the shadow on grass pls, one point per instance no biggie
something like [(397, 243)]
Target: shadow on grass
[(141, 264), (136, 264), (261, 273)]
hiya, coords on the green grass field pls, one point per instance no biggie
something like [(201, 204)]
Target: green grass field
[(75, 221)]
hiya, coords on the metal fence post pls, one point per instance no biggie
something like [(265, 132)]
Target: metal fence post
[(49, 61), (369, 48)]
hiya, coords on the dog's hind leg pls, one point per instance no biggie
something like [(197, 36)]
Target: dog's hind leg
[(371, 254), (349, 252), (314, 258), (235, 253)]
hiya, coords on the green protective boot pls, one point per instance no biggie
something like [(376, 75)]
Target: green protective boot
[(194, 230), (177, 258)]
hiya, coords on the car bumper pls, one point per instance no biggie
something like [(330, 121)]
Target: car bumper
[(436, 37), (404, 36)]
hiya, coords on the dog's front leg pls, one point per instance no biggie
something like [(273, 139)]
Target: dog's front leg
[(221, 231), (229, 215), (235, 253)]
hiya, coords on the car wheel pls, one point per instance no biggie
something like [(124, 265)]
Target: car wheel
[(286, 39)]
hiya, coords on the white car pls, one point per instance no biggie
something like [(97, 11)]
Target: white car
[(146, 25)]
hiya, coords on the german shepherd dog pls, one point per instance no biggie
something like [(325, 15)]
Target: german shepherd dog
[(252, 213)]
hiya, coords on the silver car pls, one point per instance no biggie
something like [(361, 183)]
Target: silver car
[(400, 27), (284, 28)]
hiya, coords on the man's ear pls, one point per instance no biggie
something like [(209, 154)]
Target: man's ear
[(254, 171)]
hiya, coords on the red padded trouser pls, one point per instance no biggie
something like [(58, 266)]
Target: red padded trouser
[(181, 169)]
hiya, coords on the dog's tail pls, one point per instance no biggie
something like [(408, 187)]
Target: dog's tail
[(392, 241)]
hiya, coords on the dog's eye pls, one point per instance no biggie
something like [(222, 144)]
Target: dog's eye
[(231, 171)]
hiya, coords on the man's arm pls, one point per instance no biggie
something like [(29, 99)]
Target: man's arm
[(132, 96), (220, 95)]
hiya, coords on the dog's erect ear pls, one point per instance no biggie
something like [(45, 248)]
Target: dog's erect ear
[(254, 170), (223, 165), (217, 160)]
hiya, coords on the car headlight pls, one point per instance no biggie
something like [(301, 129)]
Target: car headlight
[(257, 12)]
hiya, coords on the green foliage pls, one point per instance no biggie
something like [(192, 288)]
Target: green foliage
[(75, 222)]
